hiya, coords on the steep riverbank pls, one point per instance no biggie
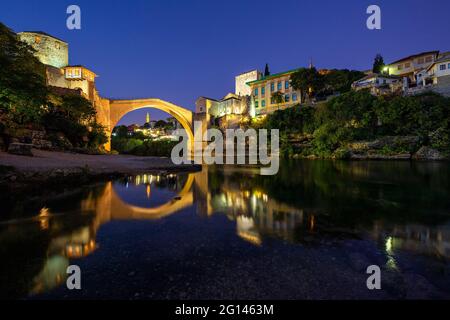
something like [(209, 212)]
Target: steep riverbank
[(60, 168)]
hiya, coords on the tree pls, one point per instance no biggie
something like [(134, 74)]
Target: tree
[(266, 71), (23, 90), (378, 64), (121, 131), (278, 98), (72, 115), (339, 81), (160, 124), (307, 81)]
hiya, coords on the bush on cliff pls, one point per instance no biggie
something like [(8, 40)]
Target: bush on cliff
[(356, 116), (74, 116), (23, 90)]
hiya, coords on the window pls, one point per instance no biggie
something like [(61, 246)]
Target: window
[(407, 65), (400, 67), (442, 67), (286, 97), (286, 84), (256, 103), (279, 86), (294, 97), (272, 87), (263, 91), (429, 59), (256, 91), (449, 66), (421, 60), (263, 103)]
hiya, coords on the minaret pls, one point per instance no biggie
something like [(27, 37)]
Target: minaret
[(147, 118), (311, 65)]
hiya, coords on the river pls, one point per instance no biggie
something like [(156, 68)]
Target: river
[(309, 232)]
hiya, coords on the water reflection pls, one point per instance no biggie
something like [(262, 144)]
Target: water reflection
[(400, 207)]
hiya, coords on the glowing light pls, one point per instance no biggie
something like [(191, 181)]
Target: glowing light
[(389, 245), (44, 215), (312, 223)]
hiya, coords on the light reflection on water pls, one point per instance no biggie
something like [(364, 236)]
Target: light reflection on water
[(307, 204)]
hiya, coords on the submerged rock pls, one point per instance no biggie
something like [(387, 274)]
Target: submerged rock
[(22, 149), (427, 153)]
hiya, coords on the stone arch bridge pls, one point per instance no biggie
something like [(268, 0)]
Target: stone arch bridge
[(109, 112)]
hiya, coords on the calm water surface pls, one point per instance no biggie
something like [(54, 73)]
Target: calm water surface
[(307, 233)]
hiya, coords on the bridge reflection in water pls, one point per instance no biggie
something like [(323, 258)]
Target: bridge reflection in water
[(257, 215)]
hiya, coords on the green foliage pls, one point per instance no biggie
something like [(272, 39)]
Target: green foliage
[(356, 116), (419, 115), (23, 90), (278, 98), (157, 148), (378, 64), (295, 119), (120, 131), (161, 124), (354, 111), (266, 70), (74, 116), (311, 83), (97, 136), (307, 81), (339, 81), (125, 145)]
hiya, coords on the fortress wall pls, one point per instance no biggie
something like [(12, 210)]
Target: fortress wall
[(49, 50)]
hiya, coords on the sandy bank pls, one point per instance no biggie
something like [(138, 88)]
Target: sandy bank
[(59, 169), (44, 161)]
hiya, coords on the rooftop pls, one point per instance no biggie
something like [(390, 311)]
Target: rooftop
[(272, 76), (253, 70), (416, 55), (444, 58), (207, 98)]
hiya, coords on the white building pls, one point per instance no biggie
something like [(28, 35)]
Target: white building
[(440, 70), (378, 83), (241, 87)]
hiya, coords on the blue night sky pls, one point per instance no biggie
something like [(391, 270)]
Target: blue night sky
[(179, 50)]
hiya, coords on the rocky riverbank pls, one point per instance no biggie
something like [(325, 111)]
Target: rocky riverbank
[(53, 169), (384, 148)]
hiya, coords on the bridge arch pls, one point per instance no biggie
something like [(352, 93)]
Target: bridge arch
[(119, 108), (112, 207)]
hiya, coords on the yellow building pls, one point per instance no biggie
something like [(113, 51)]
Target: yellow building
[(263, 90)]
